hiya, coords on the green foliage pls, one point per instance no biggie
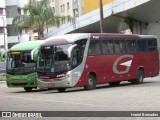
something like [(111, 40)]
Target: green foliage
[(40, 17)]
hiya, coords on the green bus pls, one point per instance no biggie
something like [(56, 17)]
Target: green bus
[(21, 66)]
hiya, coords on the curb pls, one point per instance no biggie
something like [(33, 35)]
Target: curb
[(2, 82)]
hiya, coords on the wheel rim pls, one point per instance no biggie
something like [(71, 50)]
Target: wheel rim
[(140, 78), (90, 82)]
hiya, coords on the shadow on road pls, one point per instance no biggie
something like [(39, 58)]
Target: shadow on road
[(81, 89), (102, 86)]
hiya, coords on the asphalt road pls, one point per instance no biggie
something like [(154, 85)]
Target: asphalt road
[(126, 97)]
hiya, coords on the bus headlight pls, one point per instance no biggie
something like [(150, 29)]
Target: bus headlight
[(31, 78), (8, 78), (67, 76)]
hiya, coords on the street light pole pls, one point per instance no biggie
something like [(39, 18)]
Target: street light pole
[(4, 33), (101, 16)]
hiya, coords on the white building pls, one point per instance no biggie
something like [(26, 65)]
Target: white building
[(143, 15), (74, 8), (3, 31), (14, 8)]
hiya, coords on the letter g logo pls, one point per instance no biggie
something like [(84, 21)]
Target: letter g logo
[(128, 64)]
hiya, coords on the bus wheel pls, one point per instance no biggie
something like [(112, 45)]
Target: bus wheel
[(140, 77), (114, 83), (91, 83), (61, 89), (28, 89)]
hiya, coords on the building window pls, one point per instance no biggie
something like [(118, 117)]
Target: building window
[(1, 10), (75, 12), (63, 7), (25, 12), (53, 9), (19, 11), (11, 11), (11, 31), (68, 6), (1, 30)]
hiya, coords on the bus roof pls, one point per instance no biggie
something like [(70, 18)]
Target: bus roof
[(70, 38), (147, 36), (64, 39), (30, 45)]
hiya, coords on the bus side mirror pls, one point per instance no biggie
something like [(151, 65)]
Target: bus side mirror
[(34, 54), (70, 50), (3, 54)]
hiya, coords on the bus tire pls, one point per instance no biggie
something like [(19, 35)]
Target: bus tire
[(91, 84), (61, 89), (114, 83), (140, 77), (28, 89)]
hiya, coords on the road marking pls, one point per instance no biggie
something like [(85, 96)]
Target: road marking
[(42, 100)]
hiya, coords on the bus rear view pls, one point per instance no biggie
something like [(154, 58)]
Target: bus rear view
[(90, 59)]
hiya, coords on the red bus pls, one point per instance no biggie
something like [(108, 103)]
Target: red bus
[(93, 58)]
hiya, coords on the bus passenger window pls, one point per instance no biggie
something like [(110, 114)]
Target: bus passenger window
[(110, 47), (152, 44), (140, 46), (105, 48), (117, 46), (94, 47), (131, 46)]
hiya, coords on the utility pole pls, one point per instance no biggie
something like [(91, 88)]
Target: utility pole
[(29, 26), (101, 15), (5, 47)]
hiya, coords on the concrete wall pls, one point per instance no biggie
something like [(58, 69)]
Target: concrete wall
[(11, 2), (24, 38), (2, 3), (3, 36), (154, 29), (12, 39), (21, 3)]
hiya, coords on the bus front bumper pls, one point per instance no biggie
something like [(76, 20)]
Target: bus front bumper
[(54, 83), (21, 83)]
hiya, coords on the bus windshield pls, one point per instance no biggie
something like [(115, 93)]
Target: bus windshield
[(19, 62), (54, 59)]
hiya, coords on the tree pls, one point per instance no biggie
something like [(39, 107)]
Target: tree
[(40, 17)]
